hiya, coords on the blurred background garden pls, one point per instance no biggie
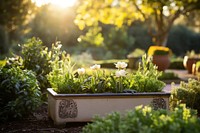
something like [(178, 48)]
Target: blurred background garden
[(39, 37), (103, 29)]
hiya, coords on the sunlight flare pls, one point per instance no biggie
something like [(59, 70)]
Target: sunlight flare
[(59, 3)]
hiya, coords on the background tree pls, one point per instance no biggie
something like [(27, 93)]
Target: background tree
[(158, 14), (13, 14), (51, 27)]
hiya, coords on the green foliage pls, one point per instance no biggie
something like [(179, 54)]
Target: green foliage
[(109, 38), (176, 63), (188, 93), (168, 76), (66, 80), (192, 54), (118, 40), (62, 75), (159, 15), (146, 120), (15, 61), (146, 77), (93, 36), (198, 65), (19, 93), (15, 12), (36, 57), (2, 63), (182, 39), (136, 53)]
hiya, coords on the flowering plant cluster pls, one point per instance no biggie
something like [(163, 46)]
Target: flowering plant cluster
[(159, 50), (193, 54), (96, 80)]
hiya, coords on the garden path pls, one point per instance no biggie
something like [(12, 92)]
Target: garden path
[(182, 74)]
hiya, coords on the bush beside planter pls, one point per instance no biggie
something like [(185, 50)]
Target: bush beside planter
[(64, 108)]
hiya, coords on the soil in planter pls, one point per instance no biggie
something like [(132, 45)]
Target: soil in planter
[(39, 122)]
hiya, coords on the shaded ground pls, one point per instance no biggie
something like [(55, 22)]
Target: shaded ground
[(39, 122)]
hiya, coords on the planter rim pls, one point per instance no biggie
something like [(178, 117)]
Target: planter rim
[(53, 93)]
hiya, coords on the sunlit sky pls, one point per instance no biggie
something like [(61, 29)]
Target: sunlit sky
[(59, 3)]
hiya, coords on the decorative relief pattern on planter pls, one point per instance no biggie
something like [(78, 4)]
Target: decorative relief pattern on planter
[(159, 103), (68, 109)]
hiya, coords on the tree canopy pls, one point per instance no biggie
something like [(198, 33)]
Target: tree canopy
[(14, 12), (158, 14)]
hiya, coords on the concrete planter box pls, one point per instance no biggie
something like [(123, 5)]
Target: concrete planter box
[(63, 108)]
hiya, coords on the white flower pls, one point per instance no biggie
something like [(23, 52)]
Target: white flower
[(95, 67), (59, 46), (120, 73), (81, 71), (121, 65)]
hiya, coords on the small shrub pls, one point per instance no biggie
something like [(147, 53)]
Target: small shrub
[(19, 93), (188, 93), (168, 76), (36, 57), (42, 61), (146, 120), (176, 64), (192, 54)]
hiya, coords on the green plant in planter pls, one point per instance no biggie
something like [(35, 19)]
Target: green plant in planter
[(19, 93), (66, 80), (188, 93), (146, 120), (146, 77)]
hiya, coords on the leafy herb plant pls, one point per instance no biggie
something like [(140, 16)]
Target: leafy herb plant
[(188, 93), (36, 57), (19, 93), (146, 120)]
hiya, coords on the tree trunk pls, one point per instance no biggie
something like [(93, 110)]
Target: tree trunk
[(161, 39), (4, 41)]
